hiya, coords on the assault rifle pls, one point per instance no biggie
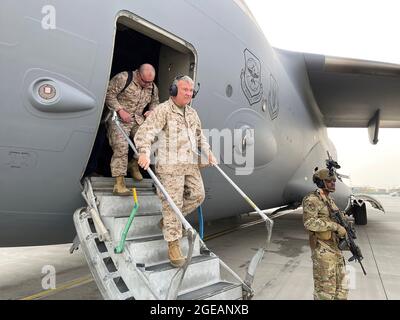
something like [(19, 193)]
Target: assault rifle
[(348, 241)]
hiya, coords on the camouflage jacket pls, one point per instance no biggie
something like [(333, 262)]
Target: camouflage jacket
[(316, 215), (179, 138), (134, 98)]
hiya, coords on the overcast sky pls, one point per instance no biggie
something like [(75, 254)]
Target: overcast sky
[(362, 29)]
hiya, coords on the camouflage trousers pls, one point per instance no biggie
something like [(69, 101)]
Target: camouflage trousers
[(119, 145), (330, 282), (187, 191)]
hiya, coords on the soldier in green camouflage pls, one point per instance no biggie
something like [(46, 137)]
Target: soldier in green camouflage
[(330, 282)]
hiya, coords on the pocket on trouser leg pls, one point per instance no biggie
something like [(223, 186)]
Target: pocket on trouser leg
[(324, 271), (342, 280)]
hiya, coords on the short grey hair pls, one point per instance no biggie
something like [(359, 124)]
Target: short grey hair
[(183, 78)]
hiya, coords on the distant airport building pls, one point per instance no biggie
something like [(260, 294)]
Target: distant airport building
[(369, 190)]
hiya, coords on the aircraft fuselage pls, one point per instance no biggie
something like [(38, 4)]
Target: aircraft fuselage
[(46, 141)]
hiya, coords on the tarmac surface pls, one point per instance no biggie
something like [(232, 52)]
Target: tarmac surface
[(285, 273)]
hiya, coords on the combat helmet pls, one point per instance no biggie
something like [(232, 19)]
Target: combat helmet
[(323, 174)]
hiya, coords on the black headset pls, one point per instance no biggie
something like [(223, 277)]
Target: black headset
[(173, 88), (320, 183)]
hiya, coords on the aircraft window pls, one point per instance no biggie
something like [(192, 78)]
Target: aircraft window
[(264, 105), (229, 90)]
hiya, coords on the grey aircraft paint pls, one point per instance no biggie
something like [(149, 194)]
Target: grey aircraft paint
[(47, 135)]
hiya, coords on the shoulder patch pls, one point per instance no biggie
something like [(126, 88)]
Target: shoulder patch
[(310, 205)]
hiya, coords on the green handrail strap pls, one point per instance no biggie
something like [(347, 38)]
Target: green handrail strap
[(121, 245)]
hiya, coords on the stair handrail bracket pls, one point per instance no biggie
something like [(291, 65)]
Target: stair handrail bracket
[(176, 281), (90, 199)]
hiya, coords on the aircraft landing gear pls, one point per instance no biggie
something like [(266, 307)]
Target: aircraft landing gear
[(359, 213), (358, 208)]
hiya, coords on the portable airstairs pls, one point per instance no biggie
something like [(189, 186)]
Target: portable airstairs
[(142, 270)]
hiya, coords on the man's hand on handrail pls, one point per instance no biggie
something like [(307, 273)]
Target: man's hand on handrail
[(144, 161), (212, 161), (125, 116)]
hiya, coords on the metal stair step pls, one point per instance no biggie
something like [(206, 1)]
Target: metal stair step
[(202, 270), (143, 270), (116, 206), (141, 226), (108, 183), (139, 192), (154, 250), (217, 291)]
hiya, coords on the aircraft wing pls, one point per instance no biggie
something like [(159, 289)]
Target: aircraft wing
[(355, 93)]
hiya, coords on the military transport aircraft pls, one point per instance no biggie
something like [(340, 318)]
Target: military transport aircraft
[(57, 58)]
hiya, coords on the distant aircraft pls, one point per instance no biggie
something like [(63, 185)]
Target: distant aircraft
[(57, 59)]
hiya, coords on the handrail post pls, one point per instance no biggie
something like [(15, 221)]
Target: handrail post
[(269, 225)]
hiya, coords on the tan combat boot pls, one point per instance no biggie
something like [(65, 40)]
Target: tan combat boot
[(175, 255), (119, 187), (133, 168)]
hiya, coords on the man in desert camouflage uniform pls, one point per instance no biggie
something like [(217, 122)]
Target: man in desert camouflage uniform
[(329, 271), (178, 129), (129, 104)]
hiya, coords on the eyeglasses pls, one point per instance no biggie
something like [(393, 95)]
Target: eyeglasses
[(144, 81)]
